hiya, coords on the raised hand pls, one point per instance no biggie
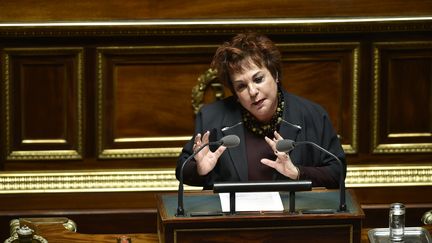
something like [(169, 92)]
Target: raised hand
[(205, 159), (283, 163)]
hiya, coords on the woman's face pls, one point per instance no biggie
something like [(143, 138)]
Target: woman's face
[(256, 90)]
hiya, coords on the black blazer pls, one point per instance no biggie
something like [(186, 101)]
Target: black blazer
[(303, 121)]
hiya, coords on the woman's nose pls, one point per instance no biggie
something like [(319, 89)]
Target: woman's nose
[(253, 91)]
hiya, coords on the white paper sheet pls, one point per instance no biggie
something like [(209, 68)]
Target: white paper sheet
[(253, 201)]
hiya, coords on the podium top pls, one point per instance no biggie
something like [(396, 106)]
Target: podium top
[(304, 201)]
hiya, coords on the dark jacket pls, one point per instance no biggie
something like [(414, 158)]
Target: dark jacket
[(224, 117)]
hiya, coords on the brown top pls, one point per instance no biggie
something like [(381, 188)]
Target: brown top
[(257, 149)]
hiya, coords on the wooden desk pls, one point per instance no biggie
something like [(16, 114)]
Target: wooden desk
[(54, 231), (260, 227)]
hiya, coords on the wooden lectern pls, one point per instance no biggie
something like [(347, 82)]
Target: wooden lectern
[(261, 226)]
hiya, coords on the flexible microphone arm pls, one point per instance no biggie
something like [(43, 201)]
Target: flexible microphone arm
[(180, 209), (227, 141), (287, 145)]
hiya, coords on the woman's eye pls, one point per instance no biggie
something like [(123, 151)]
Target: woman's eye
[(240, 87), (259, 79)]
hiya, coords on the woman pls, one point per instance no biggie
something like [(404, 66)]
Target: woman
[(260, 112)]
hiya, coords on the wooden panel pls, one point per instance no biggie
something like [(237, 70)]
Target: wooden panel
[(118, 212), (281, 234), (402, 97), (45, 10), (258, 226), (375, 202), (128, 62), (323, 62), (43, 103), (144, 99), (327, 73)]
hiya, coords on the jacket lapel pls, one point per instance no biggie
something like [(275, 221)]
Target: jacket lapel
[(232, 125), (294, 127), (292, 123)]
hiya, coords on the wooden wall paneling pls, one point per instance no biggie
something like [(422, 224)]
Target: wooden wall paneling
[(42, 95), (375, 201), (155, 58), (132, 145), (402, 90), (102, 212), (103, 10), (328, 74), (144, 99)]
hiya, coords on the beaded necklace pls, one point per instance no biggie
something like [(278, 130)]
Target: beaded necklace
[(267, 129)]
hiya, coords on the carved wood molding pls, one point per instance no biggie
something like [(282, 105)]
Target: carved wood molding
[(376, 176), (207, 78), (88, 181), (216, 26), (164, 180)]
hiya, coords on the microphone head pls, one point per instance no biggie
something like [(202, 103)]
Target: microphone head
[(230, 141), (285, 145)]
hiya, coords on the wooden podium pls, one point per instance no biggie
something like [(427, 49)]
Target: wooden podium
[(261, 226)]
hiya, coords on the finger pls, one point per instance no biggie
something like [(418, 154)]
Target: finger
[(197, 139), (205, 138), (269, 163), (268, 140), (271, 143), (282, 156), (219, 151), (278, 136)]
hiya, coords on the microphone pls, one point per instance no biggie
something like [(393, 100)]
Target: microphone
[(224, 129), (286, 145), (292, 124), (228, 141)]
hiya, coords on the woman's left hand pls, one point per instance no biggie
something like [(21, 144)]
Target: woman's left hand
[(283, 163)]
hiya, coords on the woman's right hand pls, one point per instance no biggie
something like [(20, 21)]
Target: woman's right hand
[(282, 163), (205, 159)]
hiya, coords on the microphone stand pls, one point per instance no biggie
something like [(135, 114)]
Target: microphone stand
[(228, 141), (342, 203), (180, 209)]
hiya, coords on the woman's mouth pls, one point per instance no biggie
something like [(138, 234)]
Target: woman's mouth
[(258, 103)]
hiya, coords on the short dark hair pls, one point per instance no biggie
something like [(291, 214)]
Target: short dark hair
[(230, 56)]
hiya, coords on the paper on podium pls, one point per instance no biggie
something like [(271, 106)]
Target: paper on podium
[(253, 201)]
